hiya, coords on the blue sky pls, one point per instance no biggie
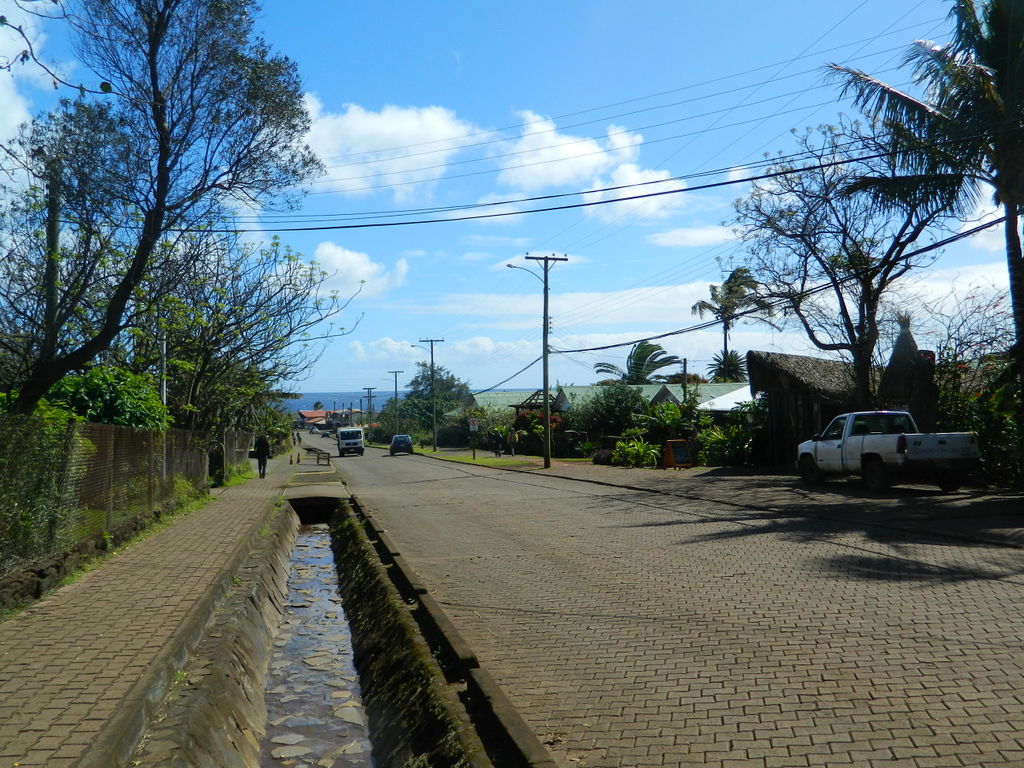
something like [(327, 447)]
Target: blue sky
[(419, 106)]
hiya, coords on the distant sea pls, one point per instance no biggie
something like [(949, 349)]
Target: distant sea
[(338, 400)]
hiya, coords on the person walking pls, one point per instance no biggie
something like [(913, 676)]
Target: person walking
[(262, 454)]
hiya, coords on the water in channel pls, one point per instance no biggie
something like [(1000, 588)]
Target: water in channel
[(315, 717)]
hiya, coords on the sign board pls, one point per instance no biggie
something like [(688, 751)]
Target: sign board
[(474, 425), (676, 453)]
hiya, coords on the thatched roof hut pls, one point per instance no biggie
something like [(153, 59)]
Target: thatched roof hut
[(830, 380), (803, 394)]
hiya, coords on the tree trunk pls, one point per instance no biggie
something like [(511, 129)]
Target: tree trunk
[(862, 381), (1015, 271)]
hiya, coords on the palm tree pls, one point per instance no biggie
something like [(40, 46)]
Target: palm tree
[(728, 366), (736, 296), (967, 129), (644, 359)]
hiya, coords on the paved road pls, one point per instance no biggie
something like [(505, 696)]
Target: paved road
[(636, 628)]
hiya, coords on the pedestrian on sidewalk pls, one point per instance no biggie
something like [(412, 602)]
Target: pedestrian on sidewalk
[(496, 441), (262, 454)]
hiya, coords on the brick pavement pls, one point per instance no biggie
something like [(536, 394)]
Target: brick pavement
[(76, 666), (667, 627)]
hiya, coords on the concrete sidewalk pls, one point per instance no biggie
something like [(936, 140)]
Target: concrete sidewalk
[(86, 665)]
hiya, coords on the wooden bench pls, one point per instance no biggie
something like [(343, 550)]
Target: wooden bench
[(322, 456)]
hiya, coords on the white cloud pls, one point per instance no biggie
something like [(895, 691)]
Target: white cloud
[(660, 203), (400, 148), (738, 173), (524, 261), (14, 104), (657, 306), (935, 286), (542, 157), (990, 239), (691, 236), (348, 270)]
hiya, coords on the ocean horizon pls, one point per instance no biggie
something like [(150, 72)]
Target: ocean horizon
[(336, 401)]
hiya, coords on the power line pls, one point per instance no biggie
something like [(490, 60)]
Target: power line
[(680, 89), (781, 302), (567, 206)]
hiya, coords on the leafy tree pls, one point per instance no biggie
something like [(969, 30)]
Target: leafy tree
[(643, 361), (727, 366), (451, 392), (108, 395), (738, 294), (189, 116), (611, 411), (685, 378), (966, 130), (826, 254)]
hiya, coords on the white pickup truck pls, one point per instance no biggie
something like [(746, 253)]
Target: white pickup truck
[(885, 447)]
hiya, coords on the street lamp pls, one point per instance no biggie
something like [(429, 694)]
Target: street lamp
[(546, 262)]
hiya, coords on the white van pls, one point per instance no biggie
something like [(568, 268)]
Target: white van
[(350, 440)]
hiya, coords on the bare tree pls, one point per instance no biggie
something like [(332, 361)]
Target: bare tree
[(824, 253), (243, 321)]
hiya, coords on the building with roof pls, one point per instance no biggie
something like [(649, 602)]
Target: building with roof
[(714, 397), (803, 393)]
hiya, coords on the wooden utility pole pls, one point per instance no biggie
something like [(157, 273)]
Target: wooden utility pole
[(433, 390), (547, 261), (396, 398)]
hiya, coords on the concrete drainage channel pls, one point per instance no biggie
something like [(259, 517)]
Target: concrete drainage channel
[(427, 700)]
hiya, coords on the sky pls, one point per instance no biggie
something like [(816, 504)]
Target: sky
[(423, 106)]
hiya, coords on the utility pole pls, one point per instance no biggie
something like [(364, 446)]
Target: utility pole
[(433, 389), (547, 262), (396, 398), (369, 407)]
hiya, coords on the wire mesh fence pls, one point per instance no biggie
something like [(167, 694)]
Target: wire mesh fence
[(60, 484), (236, 446)]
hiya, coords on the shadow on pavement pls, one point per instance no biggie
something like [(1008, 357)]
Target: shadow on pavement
[(901, 520)]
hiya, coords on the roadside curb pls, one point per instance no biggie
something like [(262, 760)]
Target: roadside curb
[(494, 712)]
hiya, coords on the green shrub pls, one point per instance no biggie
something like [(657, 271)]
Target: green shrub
[(635, 452), (728, 445)]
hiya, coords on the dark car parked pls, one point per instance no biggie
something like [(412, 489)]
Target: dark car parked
[(401, 444)]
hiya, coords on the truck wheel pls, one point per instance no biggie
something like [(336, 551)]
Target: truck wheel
[(809, 472), (950, 483), (876, 476)]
